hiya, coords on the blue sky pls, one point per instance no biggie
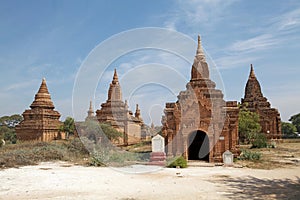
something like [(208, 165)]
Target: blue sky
[(53, 38)]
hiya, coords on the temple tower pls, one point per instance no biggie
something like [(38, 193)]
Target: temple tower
[(116, 113), (41, 122), (254, 101), (201, 125)]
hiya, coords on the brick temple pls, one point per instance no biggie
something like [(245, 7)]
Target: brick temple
[(116, 113), (255, 101), (41, 122), (201, 125)]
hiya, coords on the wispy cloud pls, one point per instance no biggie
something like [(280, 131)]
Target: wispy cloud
[(277, 31), (287, 21), (260, 42), (194, 12), (20, 85)]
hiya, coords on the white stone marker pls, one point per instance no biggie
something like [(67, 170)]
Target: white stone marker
[(228, 158), (158, 143)]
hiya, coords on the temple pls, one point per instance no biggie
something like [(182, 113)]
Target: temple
[(91, 113), (116, 113), (254, 101), (201, 125), (41, 122)]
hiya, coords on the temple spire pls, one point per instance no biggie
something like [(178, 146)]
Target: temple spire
[(114, 92), (252, 74), (200, 66), (137, 111), (43, 88), (252, 89), (42, 98), (115, 78), (91, 111), (200, 53)]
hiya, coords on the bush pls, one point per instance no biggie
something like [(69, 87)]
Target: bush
[(180, 162), (259, 141), (33, 152), (249, 155), (98, 159), (77, 146)]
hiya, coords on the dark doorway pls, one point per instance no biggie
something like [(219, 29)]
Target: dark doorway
[(198, 146)]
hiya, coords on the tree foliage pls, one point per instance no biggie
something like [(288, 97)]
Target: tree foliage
[(295, 119), (93, 131), (11, 121), (288, 129), (111, 133), (248, 125), (7, 127), (68, 126)]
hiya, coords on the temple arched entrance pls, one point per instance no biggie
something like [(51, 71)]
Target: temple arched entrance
[(198, 148)]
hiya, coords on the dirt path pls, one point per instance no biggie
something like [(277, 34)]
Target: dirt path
[(62, 181)]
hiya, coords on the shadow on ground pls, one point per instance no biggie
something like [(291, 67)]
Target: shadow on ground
[(254, 188)]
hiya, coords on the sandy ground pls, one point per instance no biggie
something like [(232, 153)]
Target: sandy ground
[(63, 181)]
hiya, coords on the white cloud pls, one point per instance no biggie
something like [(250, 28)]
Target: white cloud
[(229, 62), (20, 85), (287, 21), (196, 12), (276, 32), (257, 43)]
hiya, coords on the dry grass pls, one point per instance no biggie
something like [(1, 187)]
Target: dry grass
[(284, 155), (33, 152)]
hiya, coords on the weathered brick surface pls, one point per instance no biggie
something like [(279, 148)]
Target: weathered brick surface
[(116, 113), (41, 122), (201, 108), (254, 101)]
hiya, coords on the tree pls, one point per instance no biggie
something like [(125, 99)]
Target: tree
[(68, 126), (94, 131), (288, 129), (111, 133), (11, 121), (295, 119), (7, 127), (248, 125)]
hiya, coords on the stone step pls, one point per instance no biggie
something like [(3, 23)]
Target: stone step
[(192, 163)]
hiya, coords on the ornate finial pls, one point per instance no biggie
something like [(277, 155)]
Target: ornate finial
[(200, 51), (137, 111), (114, 91), (252, 74), (126, 105), (43, 88), (91, 106), (115, 78), (200, 66), (91, 111)]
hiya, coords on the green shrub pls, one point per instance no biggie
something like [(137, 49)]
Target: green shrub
[(249, 155), (259, 141), (178, 162)]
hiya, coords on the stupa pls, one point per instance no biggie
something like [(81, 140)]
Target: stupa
[(41, 122)]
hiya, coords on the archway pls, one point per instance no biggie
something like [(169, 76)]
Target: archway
[(198, 142)]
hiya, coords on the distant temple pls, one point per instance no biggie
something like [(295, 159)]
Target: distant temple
[(116, 113), (254, 101), (91, 113), (201, 125), (41, 122)]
